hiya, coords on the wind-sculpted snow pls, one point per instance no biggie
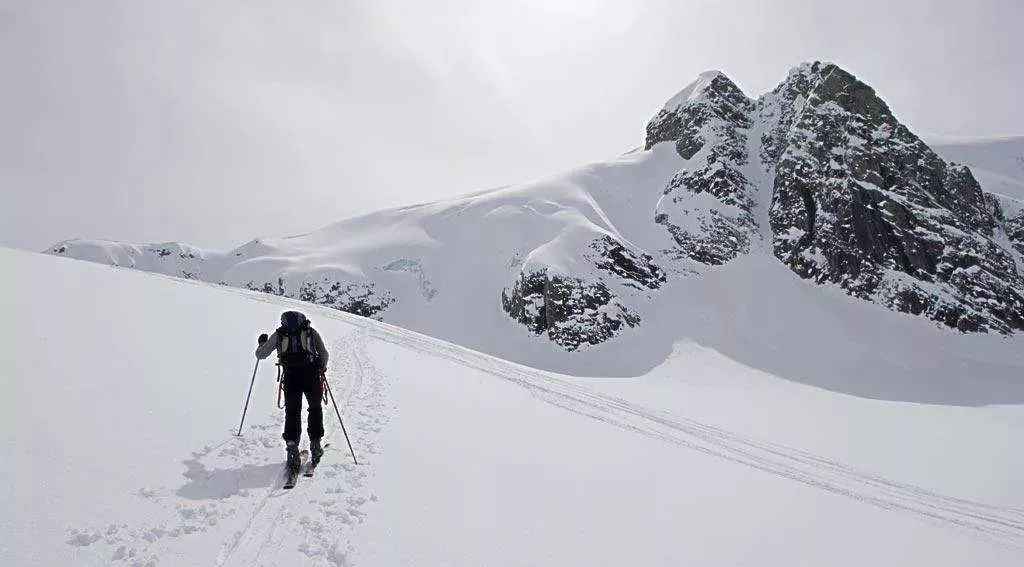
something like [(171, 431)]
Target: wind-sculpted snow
[(444, 267), (817, 174)]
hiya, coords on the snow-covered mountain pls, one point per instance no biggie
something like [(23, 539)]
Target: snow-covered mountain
[(844, 193), (817, 174), (123, 390)]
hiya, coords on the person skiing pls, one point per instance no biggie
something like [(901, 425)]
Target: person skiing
[(303, 358)]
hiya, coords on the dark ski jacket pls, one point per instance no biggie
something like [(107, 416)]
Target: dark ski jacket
[(311, 342)]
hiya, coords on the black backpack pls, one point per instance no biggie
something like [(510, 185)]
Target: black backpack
[(295, 341)]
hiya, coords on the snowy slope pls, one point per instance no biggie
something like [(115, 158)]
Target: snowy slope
[(440, 268), (122, 391)]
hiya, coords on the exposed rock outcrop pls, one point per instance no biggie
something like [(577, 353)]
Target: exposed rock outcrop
[(862, 202), (587, 308), (571, 311), (708, 205), (856, 199)]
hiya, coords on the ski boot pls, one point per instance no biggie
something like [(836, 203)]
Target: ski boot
[(315, 450), (294, 462)]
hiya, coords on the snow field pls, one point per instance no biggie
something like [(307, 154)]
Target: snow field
[(124, 390)]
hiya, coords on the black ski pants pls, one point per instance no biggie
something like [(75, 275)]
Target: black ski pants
[(302, 381)]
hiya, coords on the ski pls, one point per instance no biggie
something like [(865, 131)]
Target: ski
[(291, 477), (311, 465)]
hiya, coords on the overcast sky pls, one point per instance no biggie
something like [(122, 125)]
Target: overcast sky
[(213, 122)]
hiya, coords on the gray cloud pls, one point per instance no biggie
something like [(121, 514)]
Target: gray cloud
[(213, 122)]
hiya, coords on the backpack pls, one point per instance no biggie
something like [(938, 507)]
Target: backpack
[(295, 345)]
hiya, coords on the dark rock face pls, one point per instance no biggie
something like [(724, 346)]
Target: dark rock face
[(718, 102), (862, 202), (571, 311), (358, 299), (856, 198), (708, 207), (582, 309), (1015, 230), (636, 270)]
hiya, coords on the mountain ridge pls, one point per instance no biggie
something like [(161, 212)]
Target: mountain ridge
[(817, 173)]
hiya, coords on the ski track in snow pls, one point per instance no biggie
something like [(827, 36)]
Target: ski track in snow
[(999, 525), (319, 512), (324, 522)]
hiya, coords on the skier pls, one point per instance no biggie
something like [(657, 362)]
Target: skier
[(303, 357)]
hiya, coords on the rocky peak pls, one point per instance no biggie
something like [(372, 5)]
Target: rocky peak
[(836, 85), (860, 201), (856, 199), (707, 207), (711, 98)]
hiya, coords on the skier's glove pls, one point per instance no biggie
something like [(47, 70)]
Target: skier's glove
[(262, 339)]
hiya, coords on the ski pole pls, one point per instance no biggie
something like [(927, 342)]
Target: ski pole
[(280, 386), (336, 411), (246, 408)]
